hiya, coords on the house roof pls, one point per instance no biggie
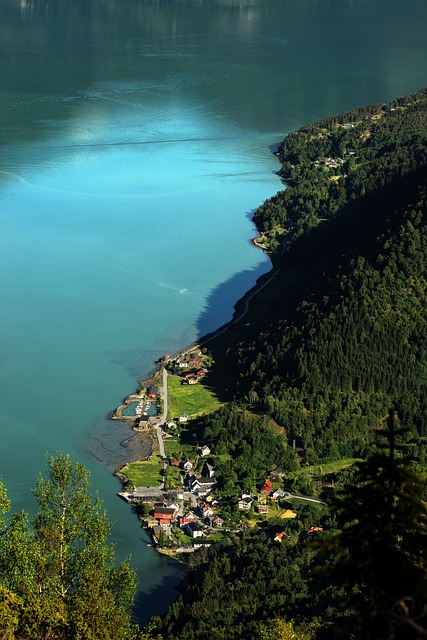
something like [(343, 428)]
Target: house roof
[(279, 536), (277, 471), (315, 529), (164, 511)]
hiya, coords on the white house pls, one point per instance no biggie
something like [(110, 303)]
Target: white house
[(203, 451), (194, 530)]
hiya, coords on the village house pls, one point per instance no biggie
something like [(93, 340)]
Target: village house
[(208, 470), (187, 465), (152, 391), (144, 494), (279, 493), (183, 417), (200, 485), (203, 451), (217, 522), (262, 508), (164, 514), (279, 536), (185, 519), (266, 487), (198, 544), (204, 510), (277, 472), (314, 530), (194, 530), (156, 531), (244, 504), (332, 162)]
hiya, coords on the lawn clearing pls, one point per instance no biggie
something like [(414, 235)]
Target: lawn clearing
[(147, 473), (330, 467), (173, 445), (194, 400)]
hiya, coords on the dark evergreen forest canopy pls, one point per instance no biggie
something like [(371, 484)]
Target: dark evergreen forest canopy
[(335, 341), (342, 335)]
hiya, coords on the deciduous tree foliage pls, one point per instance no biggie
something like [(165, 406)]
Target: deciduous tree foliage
[(58, 573)]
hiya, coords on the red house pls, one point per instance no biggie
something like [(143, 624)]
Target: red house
[(183, 520), (266, 487), (164, 514)]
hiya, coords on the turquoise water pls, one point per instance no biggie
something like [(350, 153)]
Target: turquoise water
[(135, 142)]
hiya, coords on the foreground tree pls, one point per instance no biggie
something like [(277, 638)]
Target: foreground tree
[(382, 547), (61, 566)]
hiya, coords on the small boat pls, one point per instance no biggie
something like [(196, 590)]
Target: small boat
[(149, 544)]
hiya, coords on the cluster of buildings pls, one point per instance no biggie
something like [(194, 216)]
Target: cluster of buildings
[(201, 519), (189, 366)]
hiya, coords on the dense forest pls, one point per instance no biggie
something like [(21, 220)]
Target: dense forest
[(343, 337), (283, 581), (326, 350)]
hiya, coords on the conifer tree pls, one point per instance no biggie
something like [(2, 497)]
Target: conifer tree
[(380, 555)]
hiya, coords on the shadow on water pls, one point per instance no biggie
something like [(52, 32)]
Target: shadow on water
[(232, 290), (157, 600)]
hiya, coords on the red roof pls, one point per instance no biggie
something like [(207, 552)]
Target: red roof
[(267, 486), (315, 529), (164, 513)]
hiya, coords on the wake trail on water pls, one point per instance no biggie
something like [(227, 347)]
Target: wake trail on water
[(69, 192), (125, 143)]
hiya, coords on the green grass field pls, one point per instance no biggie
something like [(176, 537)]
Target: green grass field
[(144, 474), (330, 467), (194, 400), (173, 445)]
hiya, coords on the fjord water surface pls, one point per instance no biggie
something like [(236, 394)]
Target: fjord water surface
[(136, 140)]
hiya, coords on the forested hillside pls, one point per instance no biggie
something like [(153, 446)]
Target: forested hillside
[(327, 349), (347, 338), (282, 582), (341, 158), (342, 335)]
